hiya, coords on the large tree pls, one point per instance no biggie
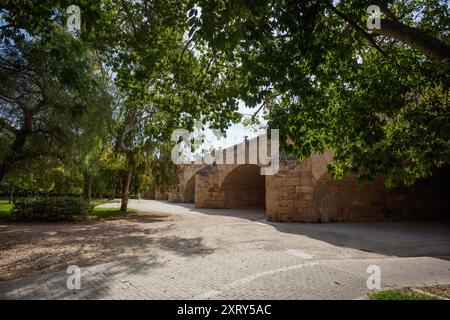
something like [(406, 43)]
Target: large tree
[(52, 93), (377, 97), (164, 81)]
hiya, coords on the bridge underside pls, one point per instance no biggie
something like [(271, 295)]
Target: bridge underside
[(303, 191)]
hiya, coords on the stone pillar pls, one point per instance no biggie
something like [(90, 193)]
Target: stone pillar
[(207, 192), (289, 193)]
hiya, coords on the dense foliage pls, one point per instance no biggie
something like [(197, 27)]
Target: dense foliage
[(50, 95), (377, 98)]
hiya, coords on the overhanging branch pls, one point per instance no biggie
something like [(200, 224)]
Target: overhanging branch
[(356, 26)]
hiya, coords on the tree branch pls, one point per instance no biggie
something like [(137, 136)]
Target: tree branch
[(263, 105), (356, 27), (181, 58), (417, 39), (130, 128), (8, 99), (393, 28)]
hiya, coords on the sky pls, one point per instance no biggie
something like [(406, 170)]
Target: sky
[(237, 132)]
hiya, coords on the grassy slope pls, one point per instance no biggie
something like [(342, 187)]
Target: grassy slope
[(5, 209)]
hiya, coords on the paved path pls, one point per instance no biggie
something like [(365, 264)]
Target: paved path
[(241, 256)]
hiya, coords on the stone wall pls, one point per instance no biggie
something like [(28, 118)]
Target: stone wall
[(349, 200), (160, 195), (207, 192), (189, 191), (303, 191), (184, 191), (149, 193)]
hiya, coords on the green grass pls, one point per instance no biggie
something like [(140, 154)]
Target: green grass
[(97, 213), (97, 202), (5, 209), (102, 213), (400, 295)]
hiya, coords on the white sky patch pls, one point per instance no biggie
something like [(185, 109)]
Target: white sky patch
[(203, 141), (236, 133)]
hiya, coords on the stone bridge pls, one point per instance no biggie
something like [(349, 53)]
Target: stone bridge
[(303, 191)]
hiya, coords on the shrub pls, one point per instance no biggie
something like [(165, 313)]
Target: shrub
[(50, 208)]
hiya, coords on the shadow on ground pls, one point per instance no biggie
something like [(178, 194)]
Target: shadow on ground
[(402, 239), (393, 238), (30, 249)]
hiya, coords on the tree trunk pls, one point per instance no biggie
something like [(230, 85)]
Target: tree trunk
[(87, 186), (126, 187), (430, 46), (19, 141), (11, 197), (2, 171), (112, 194)]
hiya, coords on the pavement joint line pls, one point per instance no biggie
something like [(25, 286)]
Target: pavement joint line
[(250, 278)]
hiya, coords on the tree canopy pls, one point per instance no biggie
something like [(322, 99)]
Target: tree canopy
[(50, 95), (377, 98)]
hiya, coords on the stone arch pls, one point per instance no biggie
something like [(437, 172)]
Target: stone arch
[(244, 187), (186, 184), (189, 190)]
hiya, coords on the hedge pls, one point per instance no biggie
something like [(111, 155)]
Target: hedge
[(50, 208)]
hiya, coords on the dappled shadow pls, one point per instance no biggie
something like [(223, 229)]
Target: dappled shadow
[(143, 217), (184, 246), (96, 282), (42, 248), (403, 239)]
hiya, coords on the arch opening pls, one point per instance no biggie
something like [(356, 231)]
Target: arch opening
[(244, 187), (189, 192)]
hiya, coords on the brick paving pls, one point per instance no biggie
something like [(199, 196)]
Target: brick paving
[(289, 266)]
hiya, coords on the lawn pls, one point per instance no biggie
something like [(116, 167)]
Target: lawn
[(5, 209), (97, 202), (97, 213), (100, 213), (400, 294)]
